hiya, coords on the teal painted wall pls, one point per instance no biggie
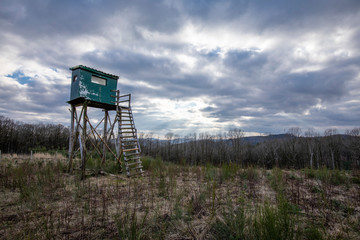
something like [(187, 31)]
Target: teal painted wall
[(82, 87)]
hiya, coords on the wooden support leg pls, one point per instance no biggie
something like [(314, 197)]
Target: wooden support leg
[(83, 150), (72, 124), (74, 136), (105, 138)]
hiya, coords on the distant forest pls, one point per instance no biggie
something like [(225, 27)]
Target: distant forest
[(292, 150), (295, 149), (21, 138)]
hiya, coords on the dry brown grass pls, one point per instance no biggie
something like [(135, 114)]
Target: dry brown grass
[(41, 201)]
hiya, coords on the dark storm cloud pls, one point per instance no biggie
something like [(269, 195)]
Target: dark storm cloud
[(39, 17), (254, 87), (130, 63), (262, 87), (246, 62), (210, 11), (291, 93)]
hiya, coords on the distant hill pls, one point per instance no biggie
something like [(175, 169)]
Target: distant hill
[(259, 139)]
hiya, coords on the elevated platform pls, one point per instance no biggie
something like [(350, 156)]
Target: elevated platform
[(90, 103)]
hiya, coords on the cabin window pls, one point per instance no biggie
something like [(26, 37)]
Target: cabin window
[(75, 78), (98, 80)]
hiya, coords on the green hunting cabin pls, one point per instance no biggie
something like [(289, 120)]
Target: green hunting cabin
[(93, 86)]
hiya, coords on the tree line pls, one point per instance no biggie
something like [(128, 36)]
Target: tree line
[(295, 149), (19, 137)]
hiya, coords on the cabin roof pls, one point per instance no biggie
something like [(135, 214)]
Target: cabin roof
[(95, 71)]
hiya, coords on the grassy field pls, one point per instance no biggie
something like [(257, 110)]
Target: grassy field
[(39, 200)]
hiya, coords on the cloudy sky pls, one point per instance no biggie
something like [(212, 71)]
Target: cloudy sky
[(190, 65)]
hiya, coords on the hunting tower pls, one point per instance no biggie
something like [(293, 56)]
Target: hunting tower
[(96, 89)]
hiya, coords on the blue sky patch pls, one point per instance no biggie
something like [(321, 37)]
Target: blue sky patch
[(19, 76)]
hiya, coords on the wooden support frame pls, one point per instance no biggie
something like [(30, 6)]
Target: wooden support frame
[(90, 138)]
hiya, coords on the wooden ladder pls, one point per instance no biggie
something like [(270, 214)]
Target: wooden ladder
[(128, 136)]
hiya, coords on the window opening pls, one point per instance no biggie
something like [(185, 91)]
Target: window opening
[(98, 80)]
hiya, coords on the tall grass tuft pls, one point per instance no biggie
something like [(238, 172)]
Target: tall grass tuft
[(275, 222), (328, 176), (129, 227), (231, 224)]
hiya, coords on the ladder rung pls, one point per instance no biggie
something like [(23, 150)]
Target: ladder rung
[(127, 136), (127, 128), (131, 154), (138, 161), (134, 163), (129, 143), (128, 140), (132, 145), (129, 150), (123, 101), (132, 159)]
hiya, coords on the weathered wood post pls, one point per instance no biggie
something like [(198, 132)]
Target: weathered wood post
[(83, 138), (72, 134), (104, 137)]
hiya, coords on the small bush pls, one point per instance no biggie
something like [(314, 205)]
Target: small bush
[(276, 180), (210, 172), (228, 171), (146, 162), (112, 166), (338, 177), (334, 177)]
